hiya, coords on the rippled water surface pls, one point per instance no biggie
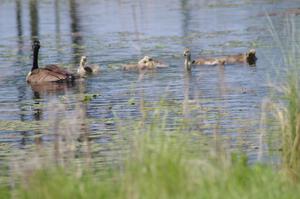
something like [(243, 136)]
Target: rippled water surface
[(112, 33)]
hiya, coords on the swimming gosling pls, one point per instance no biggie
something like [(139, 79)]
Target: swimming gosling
[(249, 57), (202, 61), (85, 69), (146, 63), (50, 73)]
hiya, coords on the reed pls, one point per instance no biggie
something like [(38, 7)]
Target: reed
[(285, 104)]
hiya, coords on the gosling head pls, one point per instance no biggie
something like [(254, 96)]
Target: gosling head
[(187, 61), (145, 60), (146, 63), (222, 61), (83, 60), (250, 57), (187, 52)]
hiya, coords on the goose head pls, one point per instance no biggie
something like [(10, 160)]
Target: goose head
[(36, 45), (83, 61), (250, 57)]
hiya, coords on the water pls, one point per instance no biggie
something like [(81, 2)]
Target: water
[(112, 33)]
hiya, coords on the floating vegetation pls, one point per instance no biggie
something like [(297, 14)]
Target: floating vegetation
[(160, 46), (16, 125), (88, 97), (131, 101), (109, 121)]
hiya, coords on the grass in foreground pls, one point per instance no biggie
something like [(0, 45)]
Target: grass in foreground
[(161, 167)]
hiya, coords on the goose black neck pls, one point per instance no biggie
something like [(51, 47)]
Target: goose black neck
[(35, 64)]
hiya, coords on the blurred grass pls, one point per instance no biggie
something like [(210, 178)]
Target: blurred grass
[(285, 104), (161, 165), (156, 163)]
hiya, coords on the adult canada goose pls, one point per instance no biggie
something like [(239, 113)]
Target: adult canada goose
[(85, 69), (146, 63), (50, 73)]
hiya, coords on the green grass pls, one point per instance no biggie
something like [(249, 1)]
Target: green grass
[(285, 105), (161, 166)]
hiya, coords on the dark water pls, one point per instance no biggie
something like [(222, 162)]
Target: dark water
[(112, 33)]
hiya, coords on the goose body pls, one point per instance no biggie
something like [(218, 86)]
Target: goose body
[(50, 73), (85, 69)]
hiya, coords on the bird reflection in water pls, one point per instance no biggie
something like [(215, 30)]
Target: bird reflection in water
[(51, 87)]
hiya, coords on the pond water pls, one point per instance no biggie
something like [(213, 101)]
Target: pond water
[(112, 33)]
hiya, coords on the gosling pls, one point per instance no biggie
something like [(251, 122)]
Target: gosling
[(85, 69), (146, 63), (249, 57), (202, 61)]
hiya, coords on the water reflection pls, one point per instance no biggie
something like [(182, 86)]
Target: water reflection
[(34, 18), (78, 51), (19, 26), (186, 94), (57, 29), (185, 17), (37, 116), (19, 22), (77, 42), (83, 125), (222, 81), (134, 17), (20, 42), (52, 88), (21, 87)]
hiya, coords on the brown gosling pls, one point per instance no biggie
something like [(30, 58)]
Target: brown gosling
[(50, 73), (249, 58), (85, 69)]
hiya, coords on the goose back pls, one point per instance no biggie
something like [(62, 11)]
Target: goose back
[(51, 73)]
